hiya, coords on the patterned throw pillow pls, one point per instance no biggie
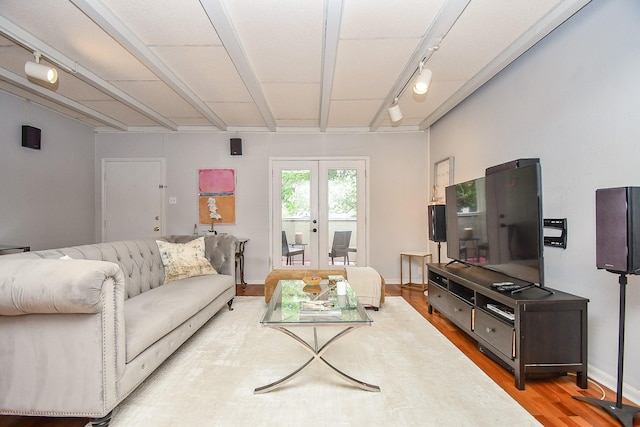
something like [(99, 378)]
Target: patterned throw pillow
[(182, 260)]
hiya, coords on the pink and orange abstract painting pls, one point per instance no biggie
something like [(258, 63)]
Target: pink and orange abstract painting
[(221, 185)]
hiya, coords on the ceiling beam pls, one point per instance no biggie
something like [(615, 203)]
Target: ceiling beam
[(23, 83), (444, 21), (332, 20), (32, 43), (219, 17), (102, 16), (528, 39)]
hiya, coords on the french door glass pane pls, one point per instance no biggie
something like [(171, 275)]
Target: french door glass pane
[(342, 209), (295, 216)]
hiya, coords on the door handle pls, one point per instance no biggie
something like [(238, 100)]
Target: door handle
[(156, 228), (315, 230)]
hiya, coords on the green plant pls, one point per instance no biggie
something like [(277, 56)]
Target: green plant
[(342, 193), (295, 191)]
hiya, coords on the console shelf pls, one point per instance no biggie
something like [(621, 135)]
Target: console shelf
[(533, 331)]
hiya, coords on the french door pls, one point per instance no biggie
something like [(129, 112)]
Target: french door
[(318, 213)]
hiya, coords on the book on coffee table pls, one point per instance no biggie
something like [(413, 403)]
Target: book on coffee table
[(319, 308), (317, 313)]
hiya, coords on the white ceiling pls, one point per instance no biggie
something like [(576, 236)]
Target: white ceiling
[(264, 65)]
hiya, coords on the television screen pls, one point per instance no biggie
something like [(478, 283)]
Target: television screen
[(496, 222)]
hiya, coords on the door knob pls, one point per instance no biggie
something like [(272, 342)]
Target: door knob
[(315, 230), (157, 218), (156, 228)]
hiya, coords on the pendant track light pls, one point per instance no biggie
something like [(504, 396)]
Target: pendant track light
[(394, 112), (421, 85), (38, 71)]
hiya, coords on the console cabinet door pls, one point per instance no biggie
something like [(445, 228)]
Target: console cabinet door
[(495, 332), (460, 312), (438, 298)]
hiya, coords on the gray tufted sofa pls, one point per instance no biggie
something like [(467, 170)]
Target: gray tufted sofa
[(77, 336)]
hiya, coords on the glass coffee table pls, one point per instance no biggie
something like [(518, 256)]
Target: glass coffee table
[(295, 304)]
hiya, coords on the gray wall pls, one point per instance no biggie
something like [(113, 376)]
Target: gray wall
[(47, 196), (573, 101), (398, 184)]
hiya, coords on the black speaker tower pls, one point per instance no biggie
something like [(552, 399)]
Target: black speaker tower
[(618, 229), (437, 225), (617, 251)]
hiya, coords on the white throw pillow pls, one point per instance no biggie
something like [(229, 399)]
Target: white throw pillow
[(182, 260)]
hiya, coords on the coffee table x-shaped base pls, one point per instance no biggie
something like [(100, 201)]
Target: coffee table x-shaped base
[(317, 353)]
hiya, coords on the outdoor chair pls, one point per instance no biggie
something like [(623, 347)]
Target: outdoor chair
[(340, 246), (290, 251)]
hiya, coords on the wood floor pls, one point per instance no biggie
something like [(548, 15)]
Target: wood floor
[(549, 400)]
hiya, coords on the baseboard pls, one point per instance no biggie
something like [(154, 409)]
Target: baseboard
[(611, 382)]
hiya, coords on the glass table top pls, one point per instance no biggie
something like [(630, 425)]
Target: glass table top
[(295, 303)]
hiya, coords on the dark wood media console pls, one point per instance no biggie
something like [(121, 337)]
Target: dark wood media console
[(530, 332)]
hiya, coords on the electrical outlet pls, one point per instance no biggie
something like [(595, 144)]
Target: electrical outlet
[(173, 200)]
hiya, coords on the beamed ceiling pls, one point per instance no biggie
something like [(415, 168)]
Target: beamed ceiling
[(264, 65)]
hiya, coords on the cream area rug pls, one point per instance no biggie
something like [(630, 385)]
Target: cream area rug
[(424, 379)]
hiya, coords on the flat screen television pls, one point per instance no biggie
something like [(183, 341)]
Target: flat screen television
[(495, 222)]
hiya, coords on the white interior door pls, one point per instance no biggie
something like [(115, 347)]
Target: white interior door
[(132, 199), (313, 203)]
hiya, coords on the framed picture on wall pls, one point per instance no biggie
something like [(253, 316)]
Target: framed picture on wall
[(219, 185), (442, 177)]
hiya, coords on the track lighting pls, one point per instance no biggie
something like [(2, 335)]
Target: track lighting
[(39, 71), (421, 85), (394, 111)]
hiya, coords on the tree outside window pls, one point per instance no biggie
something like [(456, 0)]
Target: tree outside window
[(342, 193)]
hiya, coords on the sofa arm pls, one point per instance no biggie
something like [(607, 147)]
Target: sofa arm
[(44, 286), (62, 340)]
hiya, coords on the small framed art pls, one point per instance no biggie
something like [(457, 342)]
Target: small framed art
[(442, 177)]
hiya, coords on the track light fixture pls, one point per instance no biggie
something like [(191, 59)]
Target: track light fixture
[(421, 85), (38, 71), (394, 112)]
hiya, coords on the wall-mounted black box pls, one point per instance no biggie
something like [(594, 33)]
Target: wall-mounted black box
[(30, 137)]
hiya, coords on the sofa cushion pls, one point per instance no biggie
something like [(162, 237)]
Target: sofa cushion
[(153, 314), (183, 260)]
